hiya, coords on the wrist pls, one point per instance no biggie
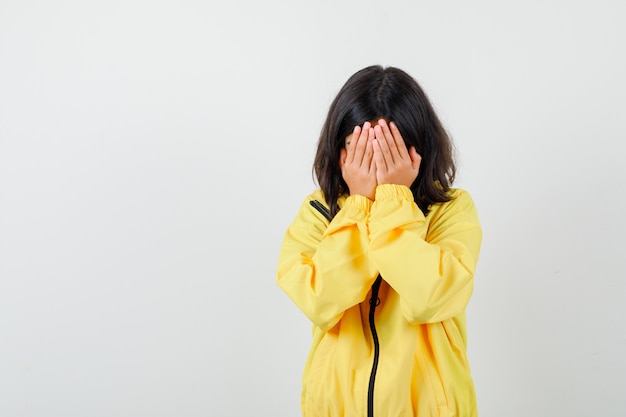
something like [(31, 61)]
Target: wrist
[(370, 196)]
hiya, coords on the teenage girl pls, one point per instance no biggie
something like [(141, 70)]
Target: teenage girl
[(381, 258)]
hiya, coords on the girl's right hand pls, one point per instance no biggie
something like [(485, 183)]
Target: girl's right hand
[(357, 162)]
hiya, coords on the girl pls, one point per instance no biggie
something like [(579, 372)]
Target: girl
[(381, 258)]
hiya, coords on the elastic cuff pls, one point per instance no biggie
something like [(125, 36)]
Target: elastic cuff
[(393, 192), (359, 202)]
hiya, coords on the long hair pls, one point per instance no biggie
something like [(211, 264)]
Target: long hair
[(390, 93)]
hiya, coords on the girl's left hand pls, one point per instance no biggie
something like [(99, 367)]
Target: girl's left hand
[(394, 163)]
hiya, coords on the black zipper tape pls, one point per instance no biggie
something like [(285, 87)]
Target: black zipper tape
[(321, 208), (374, 301)]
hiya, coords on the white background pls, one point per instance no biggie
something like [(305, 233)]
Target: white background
[(152, 154)]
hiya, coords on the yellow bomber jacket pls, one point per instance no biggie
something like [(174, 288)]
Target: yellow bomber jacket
[(410, 360)]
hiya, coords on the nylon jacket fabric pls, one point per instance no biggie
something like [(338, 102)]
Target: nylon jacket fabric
[(427, 265)]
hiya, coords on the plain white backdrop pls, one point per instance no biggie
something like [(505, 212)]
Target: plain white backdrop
[(152, 154)]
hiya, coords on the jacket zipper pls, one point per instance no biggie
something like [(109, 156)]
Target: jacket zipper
[(374, 301)]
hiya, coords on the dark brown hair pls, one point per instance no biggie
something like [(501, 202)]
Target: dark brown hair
[(390, 93)]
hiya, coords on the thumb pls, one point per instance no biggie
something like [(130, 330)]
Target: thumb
[(342, 158), (416, 158)]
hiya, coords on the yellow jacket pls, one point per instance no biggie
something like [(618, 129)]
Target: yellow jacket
[(414, 352)]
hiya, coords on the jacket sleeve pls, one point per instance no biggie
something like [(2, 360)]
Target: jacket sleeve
[(324, 268), (429, 264)]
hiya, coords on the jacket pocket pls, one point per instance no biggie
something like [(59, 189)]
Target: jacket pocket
[(432, 392), (454, 336), (319, 361)]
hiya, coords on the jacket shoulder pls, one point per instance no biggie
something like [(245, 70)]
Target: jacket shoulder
[(317, 195), (461, 202)]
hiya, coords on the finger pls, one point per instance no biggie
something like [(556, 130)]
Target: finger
[(399, 141), (372, 170), (393, 149), (379, 158), (352, 144), (398, 149), (383, 144), (361, 144), (369, 151)]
